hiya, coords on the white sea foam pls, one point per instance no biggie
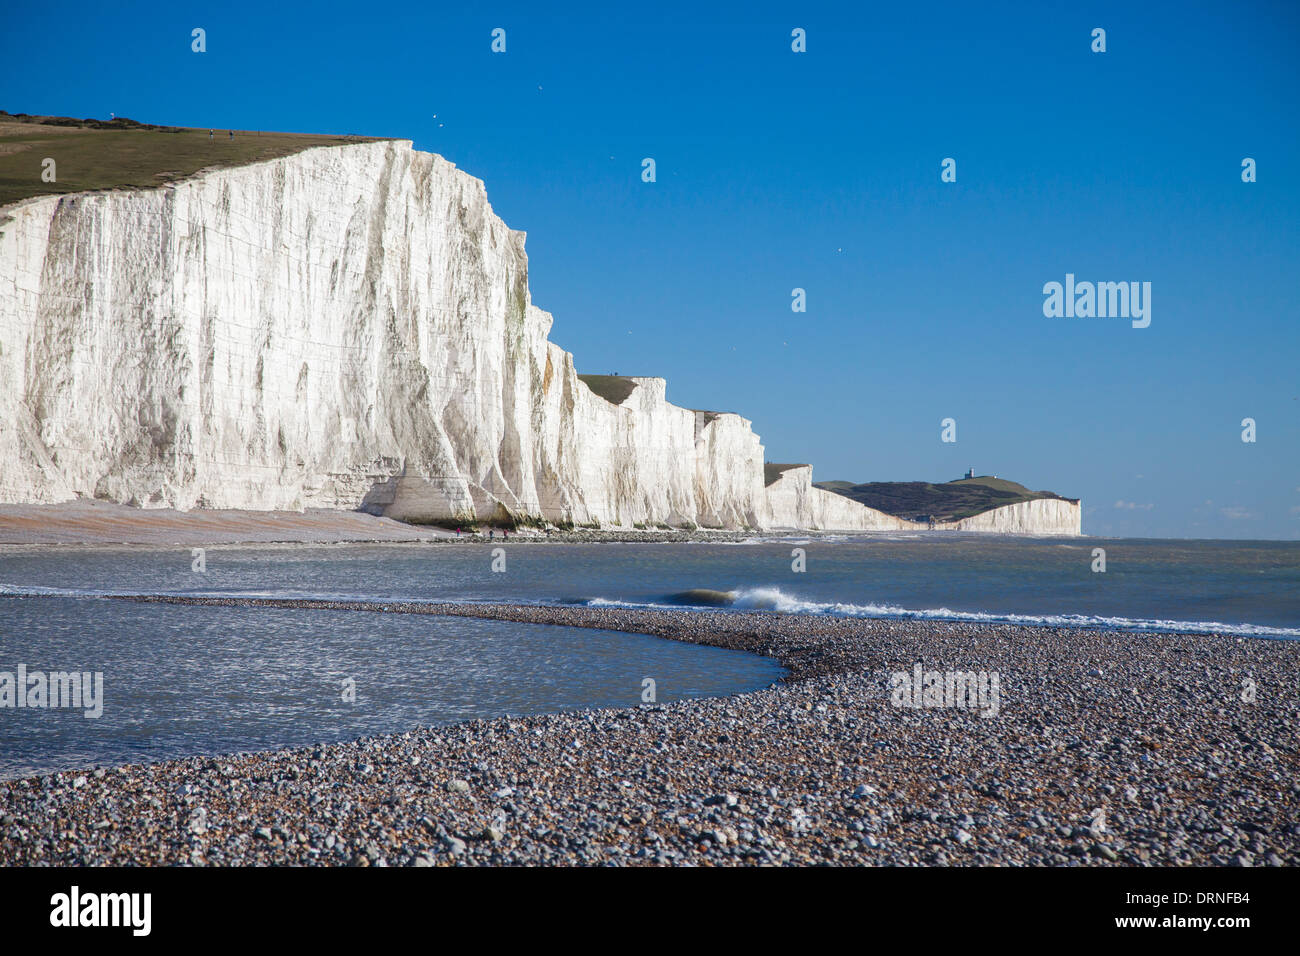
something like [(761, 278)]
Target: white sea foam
[(33, 590), (740, 599), (774, 599)]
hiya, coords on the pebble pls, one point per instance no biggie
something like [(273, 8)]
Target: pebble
[(819, 769)]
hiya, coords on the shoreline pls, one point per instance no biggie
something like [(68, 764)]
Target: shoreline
[(90, 524), (1108, 747), (93, 524)]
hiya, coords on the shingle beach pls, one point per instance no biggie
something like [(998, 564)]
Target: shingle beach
[(1106, 748)]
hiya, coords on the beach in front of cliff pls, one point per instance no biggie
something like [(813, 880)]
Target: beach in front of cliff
[(892, 703), (1104, 748), (95, 523)]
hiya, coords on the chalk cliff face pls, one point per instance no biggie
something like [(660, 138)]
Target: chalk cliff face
[(1039, 516), (348, 327), (796, 503)]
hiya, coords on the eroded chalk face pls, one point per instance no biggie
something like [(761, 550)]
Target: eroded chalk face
[(297, 362)]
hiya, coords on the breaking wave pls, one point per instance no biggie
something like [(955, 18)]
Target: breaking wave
[(774, 599), (738, 599)]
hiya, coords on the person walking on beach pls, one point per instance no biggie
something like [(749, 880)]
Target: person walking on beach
[(491, 535)]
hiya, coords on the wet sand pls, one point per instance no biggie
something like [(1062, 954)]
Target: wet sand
[(102, 523), (105, 523)]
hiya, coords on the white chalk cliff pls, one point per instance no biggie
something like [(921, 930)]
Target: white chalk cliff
[(347, 327), (795, 503), (1056, 516)]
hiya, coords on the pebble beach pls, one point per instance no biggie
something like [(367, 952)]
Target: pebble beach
[(1107, 748)]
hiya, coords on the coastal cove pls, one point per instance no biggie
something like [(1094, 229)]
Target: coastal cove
[(175, 682), (583, 448), (1109, 748), (1238, 588)]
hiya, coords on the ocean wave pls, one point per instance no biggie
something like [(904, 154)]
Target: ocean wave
[(737, 599), (748, 542), (774, 599), (33, 590)]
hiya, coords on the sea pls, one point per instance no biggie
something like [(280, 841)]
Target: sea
[(183, 681)]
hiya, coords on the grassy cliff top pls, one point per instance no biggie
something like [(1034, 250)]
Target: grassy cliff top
[(773, 470), (107, 154), (950, 501), (612, 388)]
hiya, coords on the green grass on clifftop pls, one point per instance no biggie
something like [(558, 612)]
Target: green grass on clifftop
[(612, 388), (773, 470), (950, 501), (99, 154)]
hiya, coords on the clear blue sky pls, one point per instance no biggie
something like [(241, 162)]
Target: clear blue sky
[(821, 170)]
